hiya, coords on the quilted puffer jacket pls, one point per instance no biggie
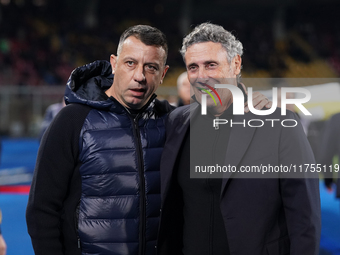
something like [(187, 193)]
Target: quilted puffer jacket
[(115, 165)]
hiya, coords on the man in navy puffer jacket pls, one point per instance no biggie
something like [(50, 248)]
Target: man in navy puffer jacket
[(96, 184)]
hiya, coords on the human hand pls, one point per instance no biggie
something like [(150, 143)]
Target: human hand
[(259, 100)]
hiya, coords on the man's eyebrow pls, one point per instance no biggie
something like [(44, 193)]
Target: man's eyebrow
[(129, 58), (204, 63), (209, 62), (192, 64), (135, 60)]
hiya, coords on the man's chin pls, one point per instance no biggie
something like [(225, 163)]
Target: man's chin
[(213, 108), (135, 106), (210, 103), (137, 103)]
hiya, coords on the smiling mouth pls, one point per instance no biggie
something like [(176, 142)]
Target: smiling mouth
[(204, 90), (208, 90), (204, 87)]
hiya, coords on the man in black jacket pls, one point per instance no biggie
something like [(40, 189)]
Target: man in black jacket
[(214, 212)]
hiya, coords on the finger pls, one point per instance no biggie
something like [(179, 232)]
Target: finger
[(263, 103), (269, 104), (259, 100)]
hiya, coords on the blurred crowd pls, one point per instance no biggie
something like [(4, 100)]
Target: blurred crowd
[(38, 48), (42, 45), (319, 29)]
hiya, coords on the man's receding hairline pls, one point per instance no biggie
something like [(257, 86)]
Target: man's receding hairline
[(153, 45)]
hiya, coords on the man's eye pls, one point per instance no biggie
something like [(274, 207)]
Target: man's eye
[(151, 68), (129, 63), (192, 68), (212, 65)]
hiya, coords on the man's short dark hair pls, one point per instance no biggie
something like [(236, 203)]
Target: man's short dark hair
[(148, 35)]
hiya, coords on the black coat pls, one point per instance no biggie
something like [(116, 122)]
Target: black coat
[(276, 215)]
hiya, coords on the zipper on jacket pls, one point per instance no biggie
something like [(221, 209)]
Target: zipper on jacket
[(142, 203), (142, 222)]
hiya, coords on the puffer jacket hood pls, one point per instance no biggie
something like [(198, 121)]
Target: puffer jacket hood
[(87, 85)]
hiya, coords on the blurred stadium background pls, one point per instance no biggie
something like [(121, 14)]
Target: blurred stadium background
[(42, 41)]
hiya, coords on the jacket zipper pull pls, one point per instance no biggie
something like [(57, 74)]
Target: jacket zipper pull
[(79, 243)]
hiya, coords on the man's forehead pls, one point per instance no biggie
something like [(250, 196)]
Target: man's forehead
[(204, 49), (205, 46), (134, 45)]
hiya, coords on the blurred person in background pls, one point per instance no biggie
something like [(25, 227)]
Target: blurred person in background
[(51, 111), (232, 213), (330, 148), (3, 246), (183, 89)]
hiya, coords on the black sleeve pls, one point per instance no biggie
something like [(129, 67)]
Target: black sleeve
[(56, 161)]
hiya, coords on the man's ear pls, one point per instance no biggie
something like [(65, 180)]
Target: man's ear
[(237, 63), (113, 61), (164, 72)]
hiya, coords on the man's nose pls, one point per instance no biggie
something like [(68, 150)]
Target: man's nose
[(202, 75), (139, 75)]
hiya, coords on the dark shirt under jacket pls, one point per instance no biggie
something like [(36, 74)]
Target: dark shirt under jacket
[(203, 231)]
